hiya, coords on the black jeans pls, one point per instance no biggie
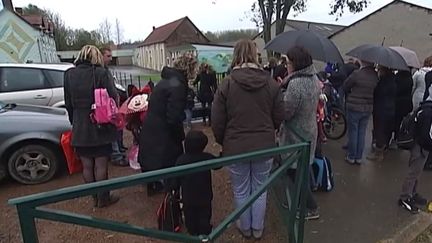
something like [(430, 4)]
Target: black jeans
[(206, 106), (383, 128), (197, 219), (310, 201)]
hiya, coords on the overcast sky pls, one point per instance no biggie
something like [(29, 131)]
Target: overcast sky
[(138, 16)]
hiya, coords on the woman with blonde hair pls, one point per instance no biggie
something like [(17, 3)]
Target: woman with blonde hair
[(92, 142), (247, 109), (162, 132)]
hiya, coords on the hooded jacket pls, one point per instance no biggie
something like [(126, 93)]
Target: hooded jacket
[(247, 109), (162, 131)]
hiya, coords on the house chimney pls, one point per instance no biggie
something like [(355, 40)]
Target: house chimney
[(7, 4), (19, 11), (154, 28)]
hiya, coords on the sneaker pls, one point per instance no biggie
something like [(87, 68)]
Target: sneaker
[(245, 233), (358, 161), (350, 161), (257, 234), (310, 215), (409, 205), (419, 200)]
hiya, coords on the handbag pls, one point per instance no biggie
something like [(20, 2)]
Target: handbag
[(73, 162)]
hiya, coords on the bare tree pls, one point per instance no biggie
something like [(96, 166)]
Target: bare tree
[(105, 31), (118, 32)]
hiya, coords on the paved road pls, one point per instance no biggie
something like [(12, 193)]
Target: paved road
[(363, 206)]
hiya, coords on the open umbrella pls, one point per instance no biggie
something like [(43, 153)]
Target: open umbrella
[(320, 47), (381, 55), (408, 55)]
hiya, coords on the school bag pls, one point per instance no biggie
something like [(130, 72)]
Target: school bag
[(321, 178), (104, 108), (406, 132), (423, 127), (169, 214)]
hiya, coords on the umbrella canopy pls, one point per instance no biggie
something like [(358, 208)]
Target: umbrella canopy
[(381, 55), (320, 47), (408, 55)]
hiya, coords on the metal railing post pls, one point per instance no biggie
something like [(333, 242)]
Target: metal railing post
[(27, 224), (139, 81)]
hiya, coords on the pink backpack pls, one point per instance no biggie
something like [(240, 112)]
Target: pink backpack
[(104, 107)]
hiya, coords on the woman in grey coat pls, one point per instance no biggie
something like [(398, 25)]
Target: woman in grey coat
[(301, 101)]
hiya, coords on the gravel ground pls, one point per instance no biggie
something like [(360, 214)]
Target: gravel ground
[(133, 208)]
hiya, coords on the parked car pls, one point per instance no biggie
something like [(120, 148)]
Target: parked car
[(35, 84), (30, 150)]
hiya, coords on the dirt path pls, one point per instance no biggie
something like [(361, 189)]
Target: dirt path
[(134, 208)]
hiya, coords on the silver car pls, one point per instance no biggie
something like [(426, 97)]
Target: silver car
[(34, 84), (30, 150)]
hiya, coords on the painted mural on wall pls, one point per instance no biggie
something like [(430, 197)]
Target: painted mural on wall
[(20, 42), (15, 43), (220, 60)]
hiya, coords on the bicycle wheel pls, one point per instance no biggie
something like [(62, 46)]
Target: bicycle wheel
[(335, 124)]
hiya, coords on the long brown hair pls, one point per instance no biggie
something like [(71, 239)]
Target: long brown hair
[(245, 51), (428, 62)]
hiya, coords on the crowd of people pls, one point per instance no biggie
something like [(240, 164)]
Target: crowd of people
[(253, 108)]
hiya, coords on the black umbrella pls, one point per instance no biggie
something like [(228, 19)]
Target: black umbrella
[(320, 47), (381, 55)]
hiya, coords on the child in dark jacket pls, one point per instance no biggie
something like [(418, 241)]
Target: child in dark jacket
[(196, 188)]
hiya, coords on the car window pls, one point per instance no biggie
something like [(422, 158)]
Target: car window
[(21, 79), (56, 78)]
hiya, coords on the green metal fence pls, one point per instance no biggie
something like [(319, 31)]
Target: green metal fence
[(30, 207)]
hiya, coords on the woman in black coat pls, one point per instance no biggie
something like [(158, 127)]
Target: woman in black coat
[(384, 111), (404, 84), (206, 89), (92, 142), (162, 132)]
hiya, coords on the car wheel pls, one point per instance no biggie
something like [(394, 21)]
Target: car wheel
[(32, 164)]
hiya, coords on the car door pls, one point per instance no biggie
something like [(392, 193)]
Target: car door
[(56, 82), (24, 86)]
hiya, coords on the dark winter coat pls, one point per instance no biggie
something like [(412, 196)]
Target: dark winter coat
[(162, 132), (196, 188), (247, 109), (404, 84), (385, 96), (207, 86), (79, 97), (359, 88)]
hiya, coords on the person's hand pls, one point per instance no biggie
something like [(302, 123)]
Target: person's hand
[(323, 97), (279, 80)]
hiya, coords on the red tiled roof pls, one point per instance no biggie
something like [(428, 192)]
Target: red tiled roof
[(162, 33), (38, 22)]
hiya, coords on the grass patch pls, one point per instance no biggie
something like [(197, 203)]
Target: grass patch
[(425, 237), (153, 77)]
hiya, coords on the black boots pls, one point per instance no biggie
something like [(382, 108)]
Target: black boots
[(105, 199)]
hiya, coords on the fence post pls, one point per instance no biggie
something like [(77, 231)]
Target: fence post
[(27, 224), (131, 79), (296, 226), (139, 81)]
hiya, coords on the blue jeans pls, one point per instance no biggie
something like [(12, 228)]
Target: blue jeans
[(357, 125), (188, 113), (116, 154), (246, 178)]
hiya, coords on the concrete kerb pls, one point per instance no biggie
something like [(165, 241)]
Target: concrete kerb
[(409, 233)]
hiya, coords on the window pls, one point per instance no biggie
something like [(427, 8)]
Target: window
[(56, 78), (21, 79)]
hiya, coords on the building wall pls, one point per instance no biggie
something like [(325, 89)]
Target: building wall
[(152, 56), (259, 40), (20, 43), (398, 22)]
